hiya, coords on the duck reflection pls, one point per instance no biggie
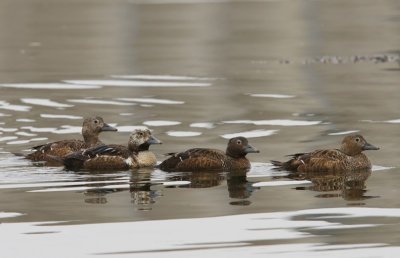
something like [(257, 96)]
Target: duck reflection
[(350, 185), (200, 179), (100, 186), (239, 188), (139, 186), (143, 197)]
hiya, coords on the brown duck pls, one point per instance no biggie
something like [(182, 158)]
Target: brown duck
[(201, 159), (348, 157), (116, 157), (91, 129)]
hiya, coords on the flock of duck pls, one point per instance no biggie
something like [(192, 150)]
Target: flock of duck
[(93, 155)]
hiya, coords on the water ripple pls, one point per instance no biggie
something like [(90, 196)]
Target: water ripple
[(8, 106), (251, 134), (163, 77), (161, 123), (52, 86), (126, 83), (277, 122), (44, 102), (100, 102), (60, 116), (152, 101)]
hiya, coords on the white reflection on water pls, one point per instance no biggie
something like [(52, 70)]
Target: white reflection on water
[(251, 134), (161, 123), (25, 134), (68, 130), (274, 96), (60, 116), (8, 138), (4, 215), (52, 86), (39, 129), (183, 133), (8, 106), (25, 120), (162, 77), (18, 142), (152, 101), (45, 102), (283, 182), (126, 83), (130, 128), (100, 102), (203, 125), (249, 235), (278, 122), (392, 121), (2, 129), (344, 132)]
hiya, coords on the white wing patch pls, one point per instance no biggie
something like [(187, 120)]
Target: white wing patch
[(129, 161)]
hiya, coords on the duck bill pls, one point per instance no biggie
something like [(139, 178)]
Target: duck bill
[(368, 146), (107, 127), (153, 140), (251, 149)]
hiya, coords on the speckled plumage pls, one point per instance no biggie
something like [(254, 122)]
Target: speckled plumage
[(348, 157), (91, 129), (116, 157), (202, 159)]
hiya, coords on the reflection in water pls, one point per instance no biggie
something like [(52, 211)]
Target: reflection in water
[(140, 188), (350, 185), (239, 188), (99, 187), (200, 179)]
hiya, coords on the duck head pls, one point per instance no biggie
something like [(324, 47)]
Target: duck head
[(141, 139), (92, 127), (238, 147), (355, 144)]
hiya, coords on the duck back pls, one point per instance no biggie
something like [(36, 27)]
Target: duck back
[(58, 149), (202, 159), (324, 160)]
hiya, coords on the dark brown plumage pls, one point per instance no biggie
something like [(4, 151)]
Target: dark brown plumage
[(116, 157), (91, 129), (201, 159), (348, 157)]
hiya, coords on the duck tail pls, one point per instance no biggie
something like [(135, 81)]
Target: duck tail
[(18, 154), (279, 165), (55, 159)]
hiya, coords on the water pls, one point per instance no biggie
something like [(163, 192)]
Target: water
[(291, 76)]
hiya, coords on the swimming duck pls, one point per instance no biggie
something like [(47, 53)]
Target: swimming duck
[(91, 129), (202, 159), (116, 157), (348, 157)]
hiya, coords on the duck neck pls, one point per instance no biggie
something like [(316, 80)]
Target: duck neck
[(90, 139), (346, 149), (234, 154), (138, 148)]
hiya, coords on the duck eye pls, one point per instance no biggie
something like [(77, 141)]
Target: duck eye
[(357, 139), (96, 121), (239, 142)]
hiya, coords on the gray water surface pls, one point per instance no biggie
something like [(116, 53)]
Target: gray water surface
[(292, 76)]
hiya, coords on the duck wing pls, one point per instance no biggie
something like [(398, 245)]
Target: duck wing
[(194, 160), (109, 150), (324, 160), (57, 149), (96, 156), (318, 160)]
